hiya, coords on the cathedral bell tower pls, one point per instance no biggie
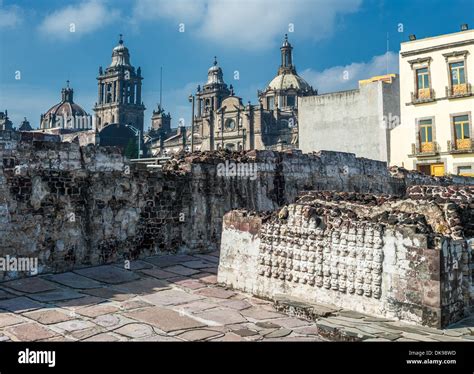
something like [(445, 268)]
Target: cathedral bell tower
[(212, 93), (209, 100), (120, 92)]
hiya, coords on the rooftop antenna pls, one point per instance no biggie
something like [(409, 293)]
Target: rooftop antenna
[(161, 83), (388, 49)]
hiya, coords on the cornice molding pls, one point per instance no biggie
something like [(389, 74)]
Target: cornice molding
[(437, 48)]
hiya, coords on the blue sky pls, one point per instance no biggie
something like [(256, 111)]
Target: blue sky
[(329, 37)]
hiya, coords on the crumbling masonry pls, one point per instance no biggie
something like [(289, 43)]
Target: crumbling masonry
[(72, 206), (397, 257)]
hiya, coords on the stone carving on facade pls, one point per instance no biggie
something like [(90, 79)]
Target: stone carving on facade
[(339, 255)]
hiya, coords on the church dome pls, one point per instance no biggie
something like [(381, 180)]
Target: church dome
[(287, 78), (66, 109), (287, 81)]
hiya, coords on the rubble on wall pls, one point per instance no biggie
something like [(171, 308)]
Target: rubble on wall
[(442, 210), (457, 204), (415, 177)]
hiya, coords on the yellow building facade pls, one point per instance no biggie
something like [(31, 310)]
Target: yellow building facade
[(436, 105)]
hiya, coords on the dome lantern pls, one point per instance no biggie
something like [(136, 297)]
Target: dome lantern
[(214, 74), (67, 93), (120, 54), (286, 58)]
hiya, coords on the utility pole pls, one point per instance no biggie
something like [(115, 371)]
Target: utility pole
[(161, 84)]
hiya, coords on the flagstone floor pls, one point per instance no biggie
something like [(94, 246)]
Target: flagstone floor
[(175, 298)]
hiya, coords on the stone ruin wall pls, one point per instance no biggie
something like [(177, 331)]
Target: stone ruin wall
[(453, 220), (72, 206), (404, 258)]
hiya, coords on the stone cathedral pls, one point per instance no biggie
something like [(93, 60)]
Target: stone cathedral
[(119, 99), (222, 121)]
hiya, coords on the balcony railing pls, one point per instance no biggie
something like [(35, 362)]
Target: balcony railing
[(461, 146), (425, 149), (459, 90), (424, 95)]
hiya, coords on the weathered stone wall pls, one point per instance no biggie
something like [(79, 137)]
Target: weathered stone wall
[(385, 256), (72, 206), (456, 222)]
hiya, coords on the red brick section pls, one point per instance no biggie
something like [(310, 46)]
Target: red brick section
[(241, 221)]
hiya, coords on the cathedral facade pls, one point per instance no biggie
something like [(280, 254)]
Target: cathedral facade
[(220, 121), (223, 121)]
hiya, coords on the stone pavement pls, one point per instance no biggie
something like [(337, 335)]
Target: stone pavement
[(177, 298)]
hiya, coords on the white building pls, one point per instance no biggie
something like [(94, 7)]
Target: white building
[(437, 103), (356, 121)]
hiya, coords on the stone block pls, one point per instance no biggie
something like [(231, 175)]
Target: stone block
[(20, 305), (165, 319), (199, 335), (73, 280), (108, 274), (30, 285), (29, 332), (49, 316), (171, 297)]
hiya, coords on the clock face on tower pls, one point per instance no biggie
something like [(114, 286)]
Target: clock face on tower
[(230, 124)]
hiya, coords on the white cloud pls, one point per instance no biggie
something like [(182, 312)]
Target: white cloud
[(180, 10), (10, 16), (248, 24), (340, 78), (84, 18)]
